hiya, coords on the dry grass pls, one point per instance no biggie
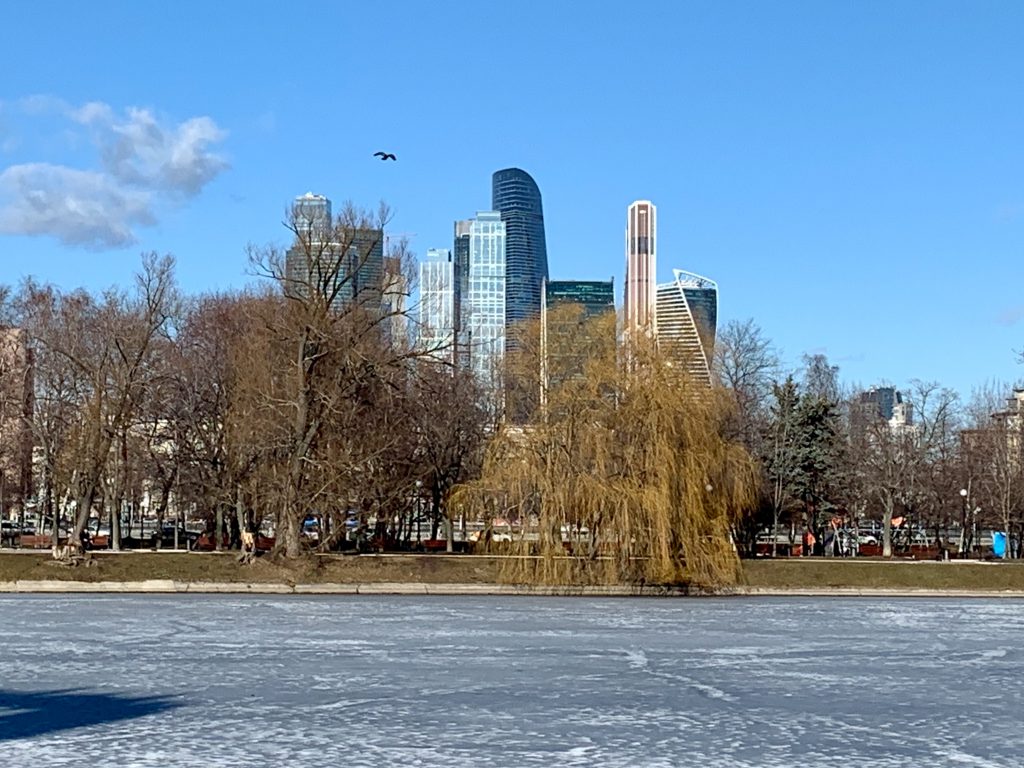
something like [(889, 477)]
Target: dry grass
[(211, 567), (813, 574), (439, 569)]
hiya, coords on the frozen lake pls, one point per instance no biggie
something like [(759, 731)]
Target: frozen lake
[(412, 681)]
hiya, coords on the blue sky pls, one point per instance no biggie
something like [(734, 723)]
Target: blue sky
[(852, 174)]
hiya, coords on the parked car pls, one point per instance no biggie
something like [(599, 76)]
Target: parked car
[(9, 531)]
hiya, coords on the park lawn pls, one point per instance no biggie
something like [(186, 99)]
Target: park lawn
[(822, 573)]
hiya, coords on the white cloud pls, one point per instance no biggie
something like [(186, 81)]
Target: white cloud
[(143, 162), (83, 208)]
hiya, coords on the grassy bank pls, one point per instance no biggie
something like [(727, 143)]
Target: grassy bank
[(807, 573), (210, 567), (440, 569)]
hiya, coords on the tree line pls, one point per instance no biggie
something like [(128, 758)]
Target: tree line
[(273, 403), (296, 398), (827, 452)]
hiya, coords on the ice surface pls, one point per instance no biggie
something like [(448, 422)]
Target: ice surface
[(477, 681)]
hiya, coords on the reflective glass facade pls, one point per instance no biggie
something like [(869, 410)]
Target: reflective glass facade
[(703, 303), (687, 317), (515, 195), (595, 296), (437, 304), (345, 265), (485, 307), (312, 216), (571, 336)]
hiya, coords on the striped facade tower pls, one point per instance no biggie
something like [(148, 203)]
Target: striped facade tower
[(641, 269)]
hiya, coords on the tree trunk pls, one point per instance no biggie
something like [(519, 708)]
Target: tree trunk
[(887, 528), (240, 509), (218, 527), (115, 528), (288, 536)]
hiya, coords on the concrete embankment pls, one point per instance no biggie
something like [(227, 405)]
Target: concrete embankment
[(170, 586)]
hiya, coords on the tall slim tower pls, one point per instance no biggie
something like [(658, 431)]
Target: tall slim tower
[(641, 268), (515, 195)]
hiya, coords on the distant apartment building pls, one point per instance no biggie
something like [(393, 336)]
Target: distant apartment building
[(687, 319), (641, 289), (438, 321), (1009, 422), (343, 265), (996, 448), (1013, 415), (16, 393)]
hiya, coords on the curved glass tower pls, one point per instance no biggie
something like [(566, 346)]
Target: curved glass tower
[(516, 196)]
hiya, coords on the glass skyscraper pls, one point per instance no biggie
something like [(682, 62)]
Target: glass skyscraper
[(571, 335), (687, 318), (594, 296), (515, 195), (344, 265), (484, 304), (312, 217), (438, 312)]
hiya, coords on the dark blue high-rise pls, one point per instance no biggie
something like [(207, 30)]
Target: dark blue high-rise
[(515, 195)]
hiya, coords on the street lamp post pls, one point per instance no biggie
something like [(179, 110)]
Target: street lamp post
[(974, 531), (963, 522)]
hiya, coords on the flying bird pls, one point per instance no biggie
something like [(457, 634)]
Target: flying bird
[(385, 155)]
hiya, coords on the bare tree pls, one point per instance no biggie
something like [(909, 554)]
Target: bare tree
[(994, 460), (746, 365), (328, 359), (781, 452), (106, 345)]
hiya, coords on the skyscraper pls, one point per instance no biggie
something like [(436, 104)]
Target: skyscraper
[(687, 318), (393, 302), (515, 195), (344, 265), (572, 330), (438, 313), (484, 305), (595, 297), (312, 217), (460, 256), (641, 268)]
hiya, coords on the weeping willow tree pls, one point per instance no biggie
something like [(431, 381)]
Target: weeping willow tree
[(623, 475)]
